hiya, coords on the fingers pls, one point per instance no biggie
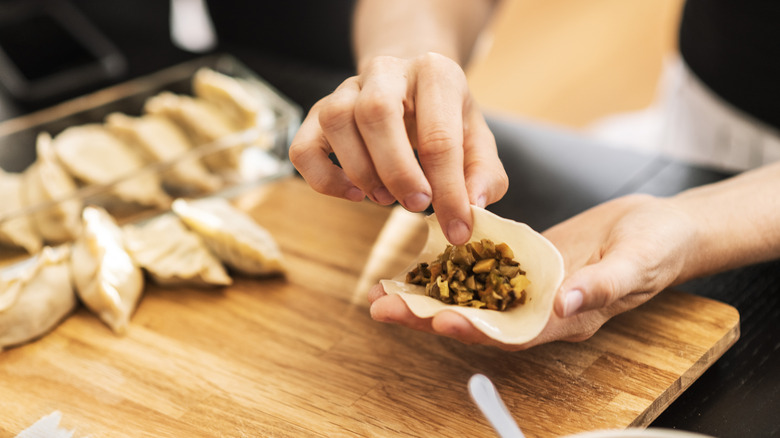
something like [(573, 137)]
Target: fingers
[(393, 309), (337, 121), (603, 284), (486, 179), (309, 153), (376, 292), (456, 148), (441, 88), (456, 326), (386, 96)]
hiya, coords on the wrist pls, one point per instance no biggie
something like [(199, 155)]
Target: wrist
[(722, 238), (399, 52), (697, 258)]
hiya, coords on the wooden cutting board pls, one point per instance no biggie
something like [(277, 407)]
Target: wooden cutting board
[(300, 356)]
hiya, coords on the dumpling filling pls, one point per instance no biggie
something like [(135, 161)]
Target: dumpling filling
[(537, 256), (478, 274)]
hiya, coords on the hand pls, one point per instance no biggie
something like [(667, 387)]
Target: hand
[(619, 255), (373, 122)]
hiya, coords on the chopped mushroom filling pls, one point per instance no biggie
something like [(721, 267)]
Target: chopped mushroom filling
[(478, 274)]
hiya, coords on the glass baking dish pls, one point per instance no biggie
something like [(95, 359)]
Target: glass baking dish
[(262, 150)]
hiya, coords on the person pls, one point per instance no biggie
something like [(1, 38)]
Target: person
[(410, 94)]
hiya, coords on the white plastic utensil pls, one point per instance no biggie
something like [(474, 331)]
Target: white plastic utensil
[(492, 406), (489, 402), (191, 26)]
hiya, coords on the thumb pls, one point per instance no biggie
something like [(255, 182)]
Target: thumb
[(597, 285)]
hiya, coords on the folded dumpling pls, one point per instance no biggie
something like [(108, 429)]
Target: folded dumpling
[(107, 279), (95, 156), (35, 295), (232, 235), (236, 98), (15, 229), (162, 141), (244, 103), (172, 254), (46, 181), (205, 124)]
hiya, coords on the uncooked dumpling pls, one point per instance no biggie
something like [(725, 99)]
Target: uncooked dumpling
[(95, 156), (246, 106), (47, 181), (35, 295), (15, 229), (232, 235), (107, 279), (237, 98), (162, 141), (172, 254), (537, 256), (205, 124)]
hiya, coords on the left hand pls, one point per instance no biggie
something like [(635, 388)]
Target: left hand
[(618, 255)]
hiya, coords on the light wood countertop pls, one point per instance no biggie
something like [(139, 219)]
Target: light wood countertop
[(300, 356)]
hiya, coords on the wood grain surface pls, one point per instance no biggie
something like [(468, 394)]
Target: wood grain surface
[(299, 355)]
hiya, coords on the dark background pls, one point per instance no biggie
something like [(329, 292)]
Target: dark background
[(302, 47)]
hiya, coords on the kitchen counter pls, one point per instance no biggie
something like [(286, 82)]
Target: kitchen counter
[(298, 355)]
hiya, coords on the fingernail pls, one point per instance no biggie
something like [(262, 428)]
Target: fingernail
[(354, 194), (572, 302), (417, 202), (382, 196), (481, 201), (457, 232)]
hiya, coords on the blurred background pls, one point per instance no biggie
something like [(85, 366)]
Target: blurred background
[(570, 62), (566, 62)]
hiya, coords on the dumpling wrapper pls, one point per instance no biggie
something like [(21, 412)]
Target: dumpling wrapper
[(45, 181), (107, 279), (16, 230), (95, 156), (234, 97), (537, 256), (172, 254), (162, 141), (204, 123), (35, 295), (232, 235)]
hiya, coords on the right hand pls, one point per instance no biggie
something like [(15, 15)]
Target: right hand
[(374, 121)]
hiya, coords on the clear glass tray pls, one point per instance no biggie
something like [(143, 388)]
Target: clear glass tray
[(257, 165)]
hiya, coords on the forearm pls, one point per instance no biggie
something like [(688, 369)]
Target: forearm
[(738, 221), (407, 28)]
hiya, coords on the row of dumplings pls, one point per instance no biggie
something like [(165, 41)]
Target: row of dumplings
[(97, 154), (104, 267)]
